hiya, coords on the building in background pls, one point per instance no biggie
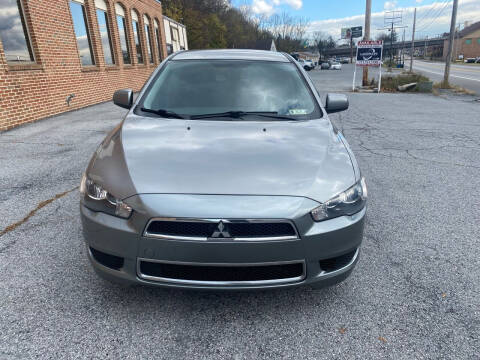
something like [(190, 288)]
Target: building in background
[(466, 43), (65, 54), (175, 35)]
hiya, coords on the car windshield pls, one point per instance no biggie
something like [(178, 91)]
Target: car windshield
[(198, 87)]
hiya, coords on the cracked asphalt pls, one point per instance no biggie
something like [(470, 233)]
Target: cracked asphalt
[(415, 292)]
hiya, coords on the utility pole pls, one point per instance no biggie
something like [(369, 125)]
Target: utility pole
[(391, 49), (455, 42), (446, 75), (366, 36), (351, 48), (392, 19), (413, 40), (425, 49)]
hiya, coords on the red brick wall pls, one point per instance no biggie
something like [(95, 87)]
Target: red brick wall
[(31, 92), (460, 47)]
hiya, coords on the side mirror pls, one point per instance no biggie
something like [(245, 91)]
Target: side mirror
[(123, 98), (336, 103)]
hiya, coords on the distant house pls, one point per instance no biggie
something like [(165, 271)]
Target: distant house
[(466, 43), (175, 34)]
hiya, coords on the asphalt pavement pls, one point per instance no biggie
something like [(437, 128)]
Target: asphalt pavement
[(464, 75), (415, 292)]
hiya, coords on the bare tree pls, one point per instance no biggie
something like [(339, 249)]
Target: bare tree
[(322, 41)]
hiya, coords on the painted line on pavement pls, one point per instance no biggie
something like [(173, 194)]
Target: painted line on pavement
[(455, 76)]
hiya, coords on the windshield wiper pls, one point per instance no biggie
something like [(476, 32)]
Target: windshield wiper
[(163, 113), (240, 114)]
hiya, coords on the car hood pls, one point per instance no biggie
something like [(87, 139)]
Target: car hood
[(289, 158)]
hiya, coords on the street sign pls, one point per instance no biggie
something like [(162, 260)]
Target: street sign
[(346, 33), (356, 31), (369, 53)]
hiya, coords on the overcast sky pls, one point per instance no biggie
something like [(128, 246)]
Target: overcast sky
[(433, 16)]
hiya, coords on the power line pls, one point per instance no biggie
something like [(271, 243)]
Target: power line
[(427, 19), (438, 14), (426, 16), (427, 13)]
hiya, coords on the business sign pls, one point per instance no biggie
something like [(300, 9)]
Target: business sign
[(369, 53), (346, 33), (353, 32), (356, 31)]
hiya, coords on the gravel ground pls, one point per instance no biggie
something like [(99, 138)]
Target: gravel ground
[(414, 294)]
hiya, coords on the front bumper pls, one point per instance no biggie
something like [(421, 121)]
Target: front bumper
[(317, 245)]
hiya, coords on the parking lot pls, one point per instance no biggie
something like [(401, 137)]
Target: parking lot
[(415, 292)]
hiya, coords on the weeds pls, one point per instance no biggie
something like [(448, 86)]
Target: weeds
[(391, 83), (455, 88)]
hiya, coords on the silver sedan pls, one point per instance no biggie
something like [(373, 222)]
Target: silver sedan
[(226, 173)]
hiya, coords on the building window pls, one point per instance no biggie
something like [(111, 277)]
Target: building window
[(14, 33), (169, 49), (103, 25), (146, 23), (157, 38), (79, 18), (123, 34), (468, 41), (478, 40), (136, 36), (174, 32)]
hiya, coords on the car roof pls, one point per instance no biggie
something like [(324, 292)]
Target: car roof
[(231, 54)]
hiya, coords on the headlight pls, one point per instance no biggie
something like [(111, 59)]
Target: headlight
[(98, 199), (348, 202)]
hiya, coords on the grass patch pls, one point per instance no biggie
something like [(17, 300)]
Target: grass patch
[(454, 88), (391, 83)]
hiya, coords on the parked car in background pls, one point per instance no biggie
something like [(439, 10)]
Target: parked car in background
[(345, 61), (336, 66), (306, 64), (310, 64), (470, 60), (243, 184), (325, 66)]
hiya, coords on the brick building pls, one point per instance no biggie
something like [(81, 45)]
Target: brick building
[(59, 55), (466, 43)]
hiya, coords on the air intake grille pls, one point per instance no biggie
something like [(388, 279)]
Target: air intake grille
[(207, 273), (235, 229), (111, 261), (337, 263)]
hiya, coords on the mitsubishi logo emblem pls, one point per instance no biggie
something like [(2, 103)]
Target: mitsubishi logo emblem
[(221, 231)]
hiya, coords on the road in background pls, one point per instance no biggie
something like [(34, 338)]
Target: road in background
[(466, 76), (340, 80), (415, 292)]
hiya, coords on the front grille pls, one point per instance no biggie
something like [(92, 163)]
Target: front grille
[(206, 228), (221, 273), (338, 262), (181, 228), (110, 261)]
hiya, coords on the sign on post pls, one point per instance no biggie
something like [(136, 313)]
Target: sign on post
[(351, 33), (356, 31), (369, 53), (346, 33)]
